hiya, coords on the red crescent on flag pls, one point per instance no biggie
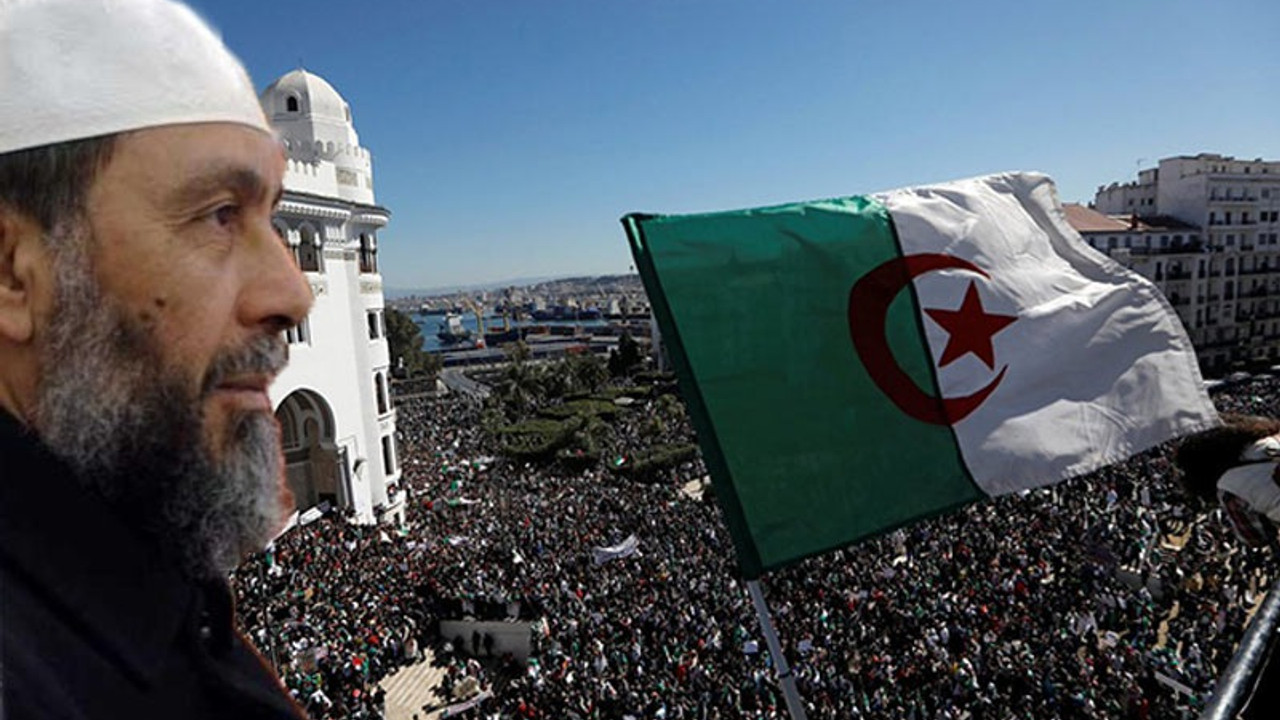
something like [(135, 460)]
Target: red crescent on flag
[(870, 298)]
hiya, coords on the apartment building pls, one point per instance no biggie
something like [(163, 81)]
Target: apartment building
[(1206, 230)]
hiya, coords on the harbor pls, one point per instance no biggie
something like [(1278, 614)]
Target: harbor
[(458, 339)]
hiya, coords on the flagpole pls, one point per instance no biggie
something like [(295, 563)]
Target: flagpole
[(787, 679)]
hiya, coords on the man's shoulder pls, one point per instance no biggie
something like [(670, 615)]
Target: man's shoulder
[(68, 649), (94, 621), (53, 664), (55, 667)]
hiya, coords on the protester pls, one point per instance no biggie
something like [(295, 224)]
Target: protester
[(1093, 599), (143, 294), (1236, 464)]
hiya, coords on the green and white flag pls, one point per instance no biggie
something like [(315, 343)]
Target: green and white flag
[(853, 365)]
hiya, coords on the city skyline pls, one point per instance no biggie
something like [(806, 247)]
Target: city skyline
[(508, 138)]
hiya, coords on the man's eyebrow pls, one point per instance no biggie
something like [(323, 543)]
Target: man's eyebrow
[(244, 182)]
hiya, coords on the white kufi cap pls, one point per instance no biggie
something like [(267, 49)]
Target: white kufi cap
[(75, 69)]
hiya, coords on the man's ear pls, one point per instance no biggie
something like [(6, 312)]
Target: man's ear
[(25, 275)]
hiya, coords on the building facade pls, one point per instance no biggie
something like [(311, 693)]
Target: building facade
[(333, 400), (1206, 230)]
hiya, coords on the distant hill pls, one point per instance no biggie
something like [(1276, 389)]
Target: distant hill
[(395, 293)]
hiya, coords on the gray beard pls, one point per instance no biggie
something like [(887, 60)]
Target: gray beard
[(134, 432)]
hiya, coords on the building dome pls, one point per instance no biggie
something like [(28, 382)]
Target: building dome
[(319, 139), (302, 95)]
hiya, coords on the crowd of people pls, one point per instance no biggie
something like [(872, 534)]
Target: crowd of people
[(1108, 596)]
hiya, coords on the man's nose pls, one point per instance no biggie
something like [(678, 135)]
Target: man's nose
[(277, 295)]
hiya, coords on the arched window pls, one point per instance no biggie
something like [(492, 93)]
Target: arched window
[(368, 253), (291, 104), (388, 454), (309, 250), (380, 387), (281, 228)]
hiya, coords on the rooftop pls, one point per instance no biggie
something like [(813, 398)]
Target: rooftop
[(1086, 219)]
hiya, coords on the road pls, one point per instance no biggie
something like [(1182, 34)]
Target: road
[(456, 380)]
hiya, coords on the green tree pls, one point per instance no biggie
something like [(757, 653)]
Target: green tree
[(671, 407), (588, 371), (404, 341), (521, 387), (626, 358)]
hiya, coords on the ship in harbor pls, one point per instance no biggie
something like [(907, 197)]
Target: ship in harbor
[(452, 330), (564, 313)]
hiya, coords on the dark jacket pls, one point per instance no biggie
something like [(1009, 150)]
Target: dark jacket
[(96, 623)]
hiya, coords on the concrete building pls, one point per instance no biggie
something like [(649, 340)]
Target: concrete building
[(1205, 229), (333, 400)]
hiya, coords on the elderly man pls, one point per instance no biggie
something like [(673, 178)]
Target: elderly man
[(143, 292)]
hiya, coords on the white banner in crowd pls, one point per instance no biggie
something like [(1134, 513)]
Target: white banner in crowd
[(626, 548), (1177, 686), (465, 706)]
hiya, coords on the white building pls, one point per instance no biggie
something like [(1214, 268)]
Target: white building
[(1206, 230), (333, 402)]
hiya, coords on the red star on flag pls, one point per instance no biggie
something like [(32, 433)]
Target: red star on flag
[(970, 329)]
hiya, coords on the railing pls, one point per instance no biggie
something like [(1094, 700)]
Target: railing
[(1238, 683)]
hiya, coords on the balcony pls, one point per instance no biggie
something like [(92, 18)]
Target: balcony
[(1176, 249)]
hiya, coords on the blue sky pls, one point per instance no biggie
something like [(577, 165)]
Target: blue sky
[(509, 136)]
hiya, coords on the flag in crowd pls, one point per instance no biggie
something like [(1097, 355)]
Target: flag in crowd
[(626, 548), (855, 364)]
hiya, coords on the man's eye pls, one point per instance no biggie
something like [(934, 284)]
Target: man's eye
[(225, 215)]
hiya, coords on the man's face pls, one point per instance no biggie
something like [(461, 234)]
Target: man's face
[(165, 333)]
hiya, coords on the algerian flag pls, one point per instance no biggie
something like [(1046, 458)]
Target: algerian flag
[(852, 365)]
